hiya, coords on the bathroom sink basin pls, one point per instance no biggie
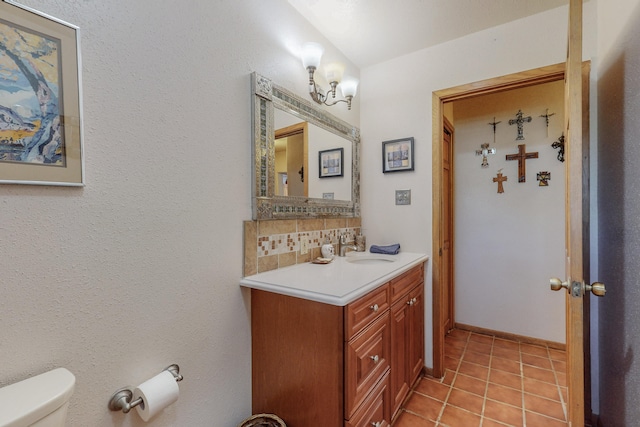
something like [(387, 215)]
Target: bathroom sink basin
[(370, 259)]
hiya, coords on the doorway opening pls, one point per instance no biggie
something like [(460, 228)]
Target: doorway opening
[(509, 220), (578, 351), (440, 98)]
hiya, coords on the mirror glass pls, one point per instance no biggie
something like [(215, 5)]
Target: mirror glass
[(306, 161)]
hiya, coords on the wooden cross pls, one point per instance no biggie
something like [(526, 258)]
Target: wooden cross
[(484, 152), (500, 179), (519, 120), (521, 157)]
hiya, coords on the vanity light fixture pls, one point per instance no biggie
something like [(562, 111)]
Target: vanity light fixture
[(311, 55)]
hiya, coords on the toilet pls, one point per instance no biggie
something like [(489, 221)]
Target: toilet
[(39, 401)]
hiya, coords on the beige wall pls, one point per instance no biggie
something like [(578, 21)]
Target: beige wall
[(141, 267)]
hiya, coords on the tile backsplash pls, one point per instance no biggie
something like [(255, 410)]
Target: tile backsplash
[(273, 244)]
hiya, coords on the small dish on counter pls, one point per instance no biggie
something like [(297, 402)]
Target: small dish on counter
[(321, 260)]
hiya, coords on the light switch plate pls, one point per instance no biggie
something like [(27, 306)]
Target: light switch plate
[(403, 197)]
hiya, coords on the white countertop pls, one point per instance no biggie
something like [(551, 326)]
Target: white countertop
[(339, 282)]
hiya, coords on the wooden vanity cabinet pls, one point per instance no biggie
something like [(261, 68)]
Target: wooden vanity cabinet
[(297, 359), (317, 364), (407, 333)]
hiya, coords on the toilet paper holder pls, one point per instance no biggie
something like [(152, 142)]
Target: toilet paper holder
[(121, 399)]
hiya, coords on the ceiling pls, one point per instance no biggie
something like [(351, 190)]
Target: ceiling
[(372, 31)]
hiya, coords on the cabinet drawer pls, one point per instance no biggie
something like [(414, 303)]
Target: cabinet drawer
[(361, 312), (403, 283), (374, 411), (367, 360)]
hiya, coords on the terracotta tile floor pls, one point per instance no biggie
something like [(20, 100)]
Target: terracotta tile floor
[(490, 382)]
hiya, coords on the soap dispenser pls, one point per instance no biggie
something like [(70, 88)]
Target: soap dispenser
[(327, 249)]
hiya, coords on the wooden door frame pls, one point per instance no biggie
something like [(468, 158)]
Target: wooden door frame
[(301, 128), (451, 309), (513, 81)]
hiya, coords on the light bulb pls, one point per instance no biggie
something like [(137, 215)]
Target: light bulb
[(311, 55), (349, 87)]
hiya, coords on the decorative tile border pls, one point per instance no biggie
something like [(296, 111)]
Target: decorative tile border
[(273, 244), (276, 244)]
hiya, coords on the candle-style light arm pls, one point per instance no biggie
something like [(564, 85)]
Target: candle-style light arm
[(311, 55)]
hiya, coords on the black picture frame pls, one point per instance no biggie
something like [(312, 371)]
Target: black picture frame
[(397, 155), (330, 163)]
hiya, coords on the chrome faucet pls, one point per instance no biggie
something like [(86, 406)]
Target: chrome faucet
[(343, 245)]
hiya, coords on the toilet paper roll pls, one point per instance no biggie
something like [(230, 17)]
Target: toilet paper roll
[(157, 393)]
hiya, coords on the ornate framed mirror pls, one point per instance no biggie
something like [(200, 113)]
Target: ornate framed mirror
[(333, 196)]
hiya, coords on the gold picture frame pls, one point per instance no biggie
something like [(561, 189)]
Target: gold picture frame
[(40, 99)]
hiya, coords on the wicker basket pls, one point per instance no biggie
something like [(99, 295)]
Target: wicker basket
[(263, 420)]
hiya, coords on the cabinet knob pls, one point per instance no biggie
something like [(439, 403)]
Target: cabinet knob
[(374, 308), (375, 358), (377, 424)]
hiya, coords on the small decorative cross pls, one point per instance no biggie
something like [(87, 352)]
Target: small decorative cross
[(519, 120), (546, 118), (494, 124), (484, 152), (543, 178), (521, 157), (500, 179), (560, 144)]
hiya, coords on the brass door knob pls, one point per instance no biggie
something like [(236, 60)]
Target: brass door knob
[(557, 284), (598, 289)]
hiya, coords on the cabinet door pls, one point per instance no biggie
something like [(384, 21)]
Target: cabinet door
[(367, 360), (374, 411), (400, 318), (416, 333)]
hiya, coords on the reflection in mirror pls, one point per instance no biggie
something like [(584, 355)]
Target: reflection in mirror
[(291, 156), (289, 134), (297, 174)]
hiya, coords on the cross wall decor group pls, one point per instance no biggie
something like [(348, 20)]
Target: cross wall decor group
[(521, 156)]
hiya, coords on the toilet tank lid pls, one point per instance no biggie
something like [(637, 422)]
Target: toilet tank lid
[(27, 401)]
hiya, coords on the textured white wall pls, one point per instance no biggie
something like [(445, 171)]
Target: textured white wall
[(140, 268), (508, 245), (396, 102), (618, 95)]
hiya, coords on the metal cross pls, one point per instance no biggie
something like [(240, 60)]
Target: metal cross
[(484, 152), (546, 118), (559, 144), (519, 120), (494, 124)]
